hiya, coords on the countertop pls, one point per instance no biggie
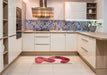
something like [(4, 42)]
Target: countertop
[(96, 35)]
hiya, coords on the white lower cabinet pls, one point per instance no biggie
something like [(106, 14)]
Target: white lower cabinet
[(71, 42), (1, 55), (28, 42), (87, 48), (58, 41), (19, 45), (42, 42), (12, 48)]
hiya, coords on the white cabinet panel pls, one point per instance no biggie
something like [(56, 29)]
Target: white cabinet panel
[(58, 42), (40, 47), (28, 42), (75, 10), (19, 45), (12, 17), (87, 48), (1, 16), (1, 55), (71, 42), (1, 61), (12, 48), (42, 42)]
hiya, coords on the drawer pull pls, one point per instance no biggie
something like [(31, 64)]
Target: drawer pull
[(42, 44), (43, 36), (84, 49), (85, 40)]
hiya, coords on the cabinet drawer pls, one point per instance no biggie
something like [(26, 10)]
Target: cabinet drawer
[(42, 47), (42, 40), (87, 48), (42, 34)]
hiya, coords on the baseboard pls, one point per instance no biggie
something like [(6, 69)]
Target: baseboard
[(10, 64), (91, 67), (101, 71), (49, 53)]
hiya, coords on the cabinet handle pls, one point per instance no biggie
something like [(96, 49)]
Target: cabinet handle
[(42, 36), (84, 49), (42, 44), (12, 35), (85, 40)]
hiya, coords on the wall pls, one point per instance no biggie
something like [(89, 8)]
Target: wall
[(100, 9), (100, 13), (19, 3), (105, 16), (57, 4)]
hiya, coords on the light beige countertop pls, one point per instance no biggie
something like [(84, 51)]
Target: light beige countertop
[(96, 35)]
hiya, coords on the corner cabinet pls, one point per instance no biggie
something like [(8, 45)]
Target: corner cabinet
[(58, 41), (87, 49), (75, 10)]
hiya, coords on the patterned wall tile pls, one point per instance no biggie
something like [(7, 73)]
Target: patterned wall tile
[(47, 25)]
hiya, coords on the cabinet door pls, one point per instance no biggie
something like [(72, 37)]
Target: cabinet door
[(12, 48), (1, 55), (19, 45), (71, 42), (58, 42), (75, 10), (12, 17), (1, 10), (28, 42)]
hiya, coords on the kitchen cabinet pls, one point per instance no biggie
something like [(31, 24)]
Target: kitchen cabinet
[(28, 42), (1, 55), (87, 48), (19, 45), (12, 48), (58, 41), (12, 17), (42, 42), (1, 16), (75, 10), (71, 42)]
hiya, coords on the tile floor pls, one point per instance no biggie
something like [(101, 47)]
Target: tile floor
[(25, 66)]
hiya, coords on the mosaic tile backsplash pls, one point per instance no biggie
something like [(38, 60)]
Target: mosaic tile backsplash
[(48, 25)]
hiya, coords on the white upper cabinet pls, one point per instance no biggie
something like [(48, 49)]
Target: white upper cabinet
[(28, 42), (71, 42), (58, 41), (75, 10), (12, 17), (1, 10)]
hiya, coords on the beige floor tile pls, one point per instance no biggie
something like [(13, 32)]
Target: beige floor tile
[(25, 66)]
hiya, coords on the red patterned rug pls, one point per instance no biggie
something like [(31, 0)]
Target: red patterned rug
[(52, 59)]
